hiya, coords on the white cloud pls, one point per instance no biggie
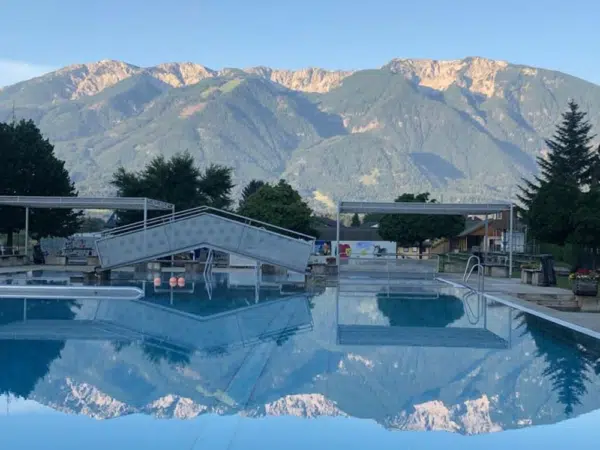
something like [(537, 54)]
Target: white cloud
[(12, 72)]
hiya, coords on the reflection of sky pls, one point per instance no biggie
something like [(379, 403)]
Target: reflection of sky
[(60, 431)]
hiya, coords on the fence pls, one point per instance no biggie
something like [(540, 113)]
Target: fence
[(390, 267)]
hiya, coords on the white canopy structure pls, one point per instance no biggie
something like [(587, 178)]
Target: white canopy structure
[(112, 203), (450, 209)]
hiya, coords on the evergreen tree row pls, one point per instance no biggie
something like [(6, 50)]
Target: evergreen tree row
[(561, 205)]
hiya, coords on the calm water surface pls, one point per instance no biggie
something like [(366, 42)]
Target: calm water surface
[(235, 367)]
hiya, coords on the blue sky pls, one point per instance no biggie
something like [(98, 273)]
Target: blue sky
[(39, 35)]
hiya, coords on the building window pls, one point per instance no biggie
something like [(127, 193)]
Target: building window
[(415, 249), (405, 250)]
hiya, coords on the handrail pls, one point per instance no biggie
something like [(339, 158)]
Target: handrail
[(208, 264), (468, 305), (136, 226), (477, 262)]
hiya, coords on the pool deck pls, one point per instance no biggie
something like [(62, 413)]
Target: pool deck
[(511, 292)]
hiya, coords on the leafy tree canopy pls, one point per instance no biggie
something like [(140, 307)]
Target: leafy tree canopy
[(281, 205), (251, 188), (408, 229), (177, 181), (30, 167), (355, 220)]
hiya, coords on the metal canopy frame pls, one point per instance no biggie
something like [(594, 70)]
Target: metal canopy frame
[(113, 203), (128, 203), (448, 209)]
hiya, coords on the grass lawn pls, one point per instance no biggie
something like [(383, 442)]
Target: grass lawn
[(563, 282)]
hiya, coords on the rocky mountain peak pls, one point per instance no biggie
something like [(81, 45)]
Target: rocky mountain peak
[(310, 79), (89, 79), (181, 74), (474, 73)]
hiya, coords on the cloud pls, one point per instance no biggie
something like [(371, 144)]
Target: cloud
[(12, 72)]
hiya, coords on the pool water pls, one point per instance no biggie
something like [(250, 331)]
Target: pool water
[(434, 359)]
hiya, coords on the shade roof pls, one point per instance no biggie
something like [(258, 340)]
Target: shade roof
[(129, 203), (423, 208)]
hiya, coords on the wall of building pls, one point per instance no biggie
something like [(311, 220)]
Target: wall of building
[(365, 249)]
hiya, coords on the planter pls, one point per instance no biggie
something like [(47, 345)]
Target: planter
[(587, 288)]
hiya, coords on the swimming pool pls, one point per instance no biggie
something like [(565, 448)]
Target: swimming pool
[(420, 358)]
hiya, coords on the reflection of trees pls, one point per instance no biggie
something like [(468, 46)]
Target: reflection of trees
[(570, 357), (402, 310), (157, 351), (24, 362)]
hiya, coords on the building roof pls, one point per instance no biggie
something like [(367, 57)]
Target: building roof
[(128, 203), (423, 208)]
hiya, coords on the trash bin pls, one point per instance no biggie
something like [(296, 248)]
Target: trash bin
[(38, 255), (548, 273)]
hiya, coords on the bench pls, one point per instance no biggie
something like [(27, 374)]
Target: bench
[(488, 269), (12, 260)]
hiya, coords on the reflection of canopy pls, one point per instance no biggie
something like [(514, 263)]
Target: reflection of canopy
[(124, 320), (419, 322)]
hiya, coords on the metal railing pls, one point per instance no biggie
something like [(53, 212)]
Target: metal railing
[(391, 268), (11, 251), (480, 272), (194, 212), (208, 264), (471, 316)]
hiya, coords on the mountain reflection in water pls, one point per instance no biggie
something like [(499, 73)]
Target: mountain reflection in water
[(183, 356)]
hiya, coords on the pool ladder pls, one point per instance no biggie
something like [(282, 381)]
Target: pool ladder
[(480, 272)]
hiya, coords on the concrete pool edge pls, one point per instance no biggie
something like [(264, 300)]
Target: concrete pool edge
[(543, 312)]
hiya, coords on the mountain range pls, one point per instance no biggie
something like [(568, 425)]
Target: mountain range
[(463, 130)]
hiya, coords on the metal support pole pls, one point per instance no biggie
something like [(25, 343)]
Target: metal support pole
[(26, 232), (172, 222), (486, 242), (145, 224), (510, 243), (337, 237)]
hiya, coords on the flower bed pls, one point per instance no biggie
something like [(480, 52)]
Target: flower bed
[(585, 282)]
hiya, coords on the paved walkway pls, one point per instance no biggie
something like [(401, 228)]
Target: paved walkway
[(508, 286)]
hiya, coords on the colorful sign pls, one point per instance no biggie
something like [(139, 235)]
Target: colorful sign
[(323, 248), (366, 249)]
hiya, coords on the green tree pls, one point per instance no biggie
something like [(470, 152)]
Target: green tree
[(177, 181), (355, 221), (551, 213), (279, 205), (30, 167), (569, 161), (216, 184), (251, 188), (408, 229)]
